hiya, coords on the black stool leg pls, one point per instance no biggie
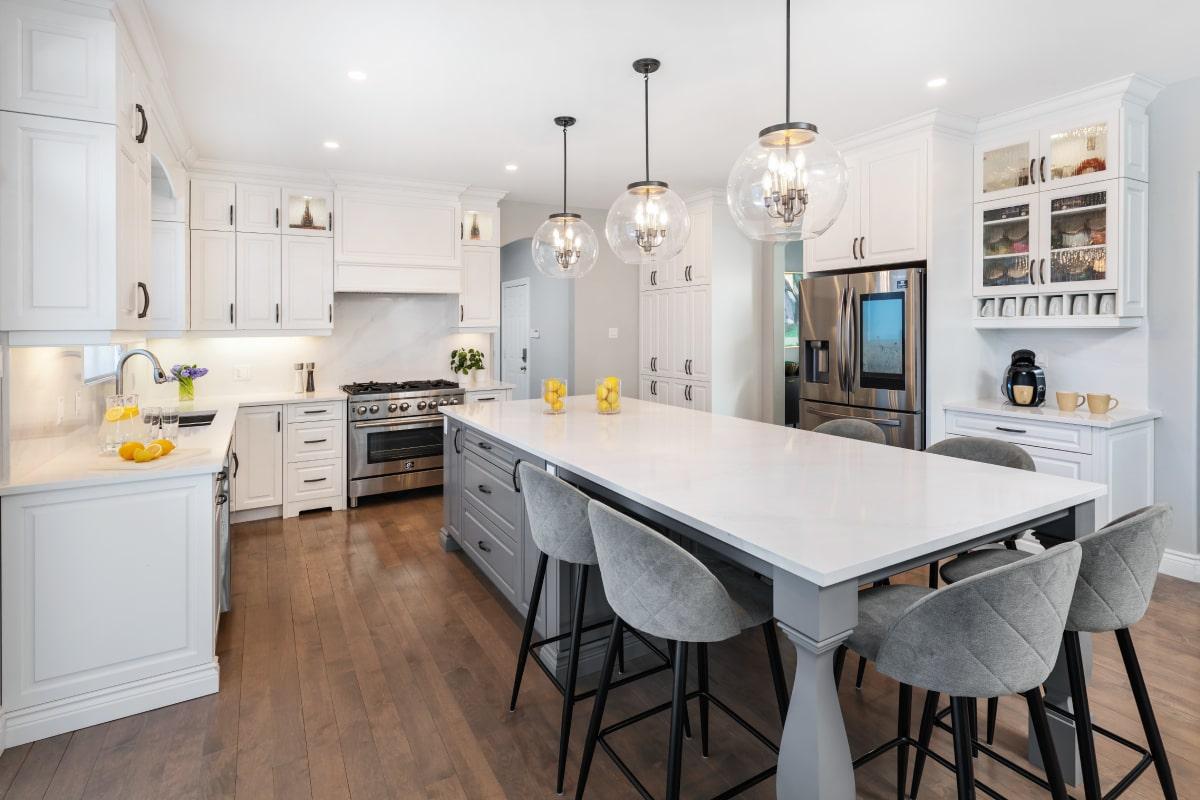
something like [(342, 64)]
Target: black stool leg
[(1133, 669), (1083, 716), (924, 737), (777, 677), (839, 660), (568, 708), (960, 713), (903, 729), (621, 655), (993, 706), (862, 670), (702, 676), (973, 716), (1041, 727), (687, 719), (589, 744), (678, 705), (933, 575), (535, 599)]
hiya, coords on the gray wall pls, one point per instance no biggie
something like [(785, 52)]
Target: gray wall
[(1174, 299), (551, 354), (605, 298)]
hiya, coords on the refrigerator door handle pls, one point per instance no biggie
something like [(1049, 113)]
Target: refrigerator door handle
[(841, 361), (883, 423), (851, 341)]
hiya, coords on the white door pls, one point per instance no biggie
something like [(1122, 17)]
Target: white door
[(696, 266), (1006, 246), (893, 204), (259, 292), (258, 457), (57, 223), (212, 205), (479, 303), (679, 343), (679, 394), (1078, 232), (653, 390), (258, 208), (307, 283), (167, 285), (214, 280), (646, 331), (837, 247), (129, 256), (1059, 462), (514, 336), (699, 366), (662, 333), (1006, 166), (1079, 149)]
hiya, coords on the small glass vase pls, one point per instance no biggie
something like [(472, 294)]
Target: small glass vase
[(187, 390)]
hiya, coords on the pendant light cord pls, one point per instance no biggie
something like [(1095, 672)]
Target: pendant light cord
[(564, 169), (787, 70), (646, 84)]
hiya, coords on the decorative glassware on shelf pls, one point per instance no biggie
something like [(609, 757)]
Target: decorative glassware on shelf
[(1006, 167), (554, 394), (1078, 238), (1079, 151), (187, 374), (474, 232), (122, 421), (307, 213), (608, 395), (1006, 246)]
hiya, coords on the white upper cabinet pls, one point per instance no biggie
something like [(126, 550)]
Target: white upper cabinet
[(1006, 246), (393, 229), (1006, 165), (837, 247), (479, 302), (57, 64), (893, 204), (480, 225), (57, 223), (258, 208), (694, 262), (165, 296), (212, 205), (307, 283), (259, 292), (214, 280), (307, 211)]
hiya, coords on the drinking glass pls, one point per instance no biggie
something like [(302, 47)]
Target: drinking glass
[(151, 422), (170, 423)]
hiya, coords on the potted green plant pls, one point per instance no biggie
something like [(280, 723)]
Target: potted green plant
[(467, 361)]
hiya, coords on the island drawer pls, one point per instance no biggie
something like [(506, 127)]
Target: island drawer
[(493, 553), (308, 412), (1034, 432), (496, 452), (494, 491)]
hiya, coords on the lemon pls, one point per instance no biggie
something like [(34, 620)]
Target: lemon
[(614, 405), (148, 453), (612, 383), (166, 444), (129, 449), (561, 391), (552, 385), (131, 412), (115, 414), (601, 393), (603, 406), (557, 405), (550, 397)]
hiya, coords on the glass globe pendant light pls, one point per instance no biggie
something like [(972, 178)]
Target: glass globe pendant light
[(790, 183), (565, 246), (648, 222)]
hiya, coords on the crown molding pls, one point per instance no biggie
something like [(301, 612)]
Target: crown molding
[(484, 195), (215, 168), (935, 120), (1133, 89), (373, 180)]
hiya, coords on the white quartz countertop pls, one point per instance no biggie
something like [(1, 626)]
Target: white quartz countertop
[(1116, 418), (485, 386), (199, 450), (824, 508)]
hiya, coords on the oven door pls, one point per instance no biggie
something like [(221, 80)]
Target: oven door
[(389, 447)]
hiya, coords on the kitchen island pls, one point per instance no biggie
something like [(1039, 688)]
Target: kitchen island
[(817, 514)]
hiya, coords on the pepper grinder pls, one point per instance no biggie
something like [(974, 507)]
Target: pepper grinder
[(310, 384), (298, 377)]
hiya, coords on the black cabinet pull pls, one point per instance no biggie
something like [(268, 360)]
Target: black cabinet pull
[(483, 546), (1042, 169), (654, 387), (516, 483), (222, 499), (484, 446), (331, 312), (1042, 271), (461, 312), (231, 313), (687, 392), (1032, 174), (653, 272), (484, 400), (277, 218), (145, 300), (277, 312), (331, 222), (278, 421), (457, 433), (483, 489), (316, 411), (141, 136), (231, 213), (862, 247), (315, 441), (313, 480), (236, 464), (1009, 430)]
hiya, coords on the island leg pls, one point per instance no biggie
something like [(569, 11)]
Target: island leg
[(814, 754)]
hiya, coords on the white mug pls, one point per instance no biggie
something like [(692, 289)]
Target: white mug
[(988, 309), (1056, 304), (1108, 304), (1009, 308), (1079, 305), (1030, 309)]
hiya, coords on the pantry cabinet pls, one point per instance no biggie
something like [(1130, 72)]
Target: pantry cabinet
[(307, 283), (258, 458), (654, 333), (654, 390), (479, 301)]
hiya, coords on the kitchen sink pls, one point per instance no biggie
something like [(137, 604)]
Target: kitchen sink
[(196, 419)]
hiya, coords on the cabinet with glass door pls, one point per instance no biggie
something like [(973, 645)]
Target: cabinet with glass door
[(309, 211), (1005, 246)]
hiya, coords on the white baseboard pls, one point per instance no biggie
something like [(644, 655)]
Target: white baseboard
[(255, 514), (104, 705), (1175, 563)]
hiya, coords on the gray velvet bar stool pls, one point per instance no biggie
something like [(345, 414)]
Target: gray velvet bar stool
[(852, 429), (558, 523), (657, 587), (1116, 579), (997, 633)]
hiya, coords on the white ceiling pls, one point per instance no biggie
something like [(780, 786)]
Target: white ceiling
[(458, 88)]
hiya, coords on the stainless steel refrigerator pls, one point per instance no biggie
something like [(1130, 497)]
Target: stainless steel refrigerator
[(862, 344)]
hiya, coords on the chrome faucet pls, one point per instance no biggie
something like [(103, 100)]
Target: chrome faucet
[(157, 373)]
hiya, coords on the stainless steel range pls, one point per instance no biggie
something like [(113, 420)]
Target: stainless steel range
[(394, 435)]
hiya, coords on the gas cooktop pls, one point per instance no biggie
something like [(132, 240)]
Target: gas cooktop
[(391, 387), (374, 400)]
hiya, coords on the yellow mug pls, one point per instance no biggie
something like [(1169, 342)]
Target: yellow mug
[(1101, 403), (1069, 401), (1023, 395)]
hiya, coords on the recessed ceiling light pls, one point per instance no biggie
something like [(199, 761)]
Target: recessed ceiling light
[(356, 75), (511, 167), (935, 83), (332, 145)]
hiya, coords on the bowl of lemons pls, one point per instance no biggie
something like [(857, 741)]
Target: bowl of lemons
[(608, 395), (141, 452), (554, 393)]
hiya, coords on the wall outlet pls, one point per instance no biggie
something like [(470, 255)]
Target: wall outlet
[(241, 372), (535, 333), (612, 333)]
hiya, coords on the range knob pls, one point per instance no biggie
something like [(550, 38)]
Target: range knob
[(391, 406), (421, 405), (404, 406), (362, 409), (432, 405), (374, 408)]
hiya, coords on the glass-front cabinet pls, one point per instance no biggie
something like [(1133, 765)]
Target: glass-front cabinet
[(1079, 226), (309, 211), (1006, 241), (480, 226), (1006, 166)]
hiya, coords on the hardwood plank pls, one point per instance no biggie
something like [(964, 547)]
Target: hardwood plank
[(77, 763), (38, 768)]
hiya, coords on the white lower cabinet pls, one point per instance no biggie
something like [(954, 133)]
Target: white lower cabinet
[(487, 395), (107, 603), (258, 458), (686, 394), (654, 390), (315, 456)]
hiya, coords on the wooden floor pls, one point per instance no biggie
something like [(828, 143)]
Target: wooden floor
[(361, 661)]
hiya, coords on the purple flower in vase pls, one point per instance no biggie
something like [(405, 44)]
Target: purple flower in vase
[(186, 374)]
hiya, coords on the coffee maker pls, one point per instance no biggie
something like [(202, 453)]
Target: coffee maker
[(1024, 381)]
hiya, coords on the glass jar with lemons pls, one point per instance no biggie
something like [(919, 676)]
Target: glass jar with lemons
[(554, 393), (608, 395), (121, 417)]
